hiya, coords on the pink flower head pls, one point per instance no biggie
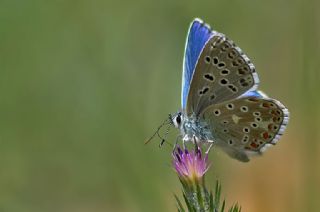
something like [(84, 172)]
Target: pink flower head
[(190, 166)]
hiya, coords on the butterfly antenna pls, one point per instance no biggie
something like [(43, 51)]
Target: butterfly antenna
[(167, 121), (166, 133)]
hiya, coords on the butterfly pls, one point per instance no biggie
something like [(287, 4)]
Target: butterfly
[(220, 103)]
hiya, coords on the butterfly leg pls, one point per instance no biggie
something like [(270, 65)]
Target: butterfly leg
[(185, 139), (184, 144), (176, 142), (208, 150), (195, 140), (196, 147)]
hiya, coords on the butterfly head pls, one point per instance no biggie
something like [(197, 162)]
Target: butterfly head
[(176, 119)]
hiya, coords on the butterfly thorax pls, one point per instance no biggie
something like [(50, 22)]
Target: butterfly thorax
[(193, 128)]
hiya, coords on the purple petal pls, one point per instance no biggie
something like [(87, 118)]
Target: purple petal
[(178, 158), (186, 152), (199, 153)]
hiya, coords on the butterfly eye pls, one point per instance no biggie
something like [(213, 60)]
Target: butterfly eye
[(178, 119)]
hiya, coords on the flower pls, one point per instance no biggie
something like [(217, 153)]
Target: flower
[(190, 166)]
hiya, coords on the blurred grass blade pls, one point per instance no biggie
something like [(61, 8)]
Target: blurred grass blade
[(235, 208), (223, 206), (179, 204)]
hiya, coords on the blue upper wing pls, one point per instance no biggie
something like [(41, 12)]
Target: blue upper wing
[(198, 35), (255, 93)]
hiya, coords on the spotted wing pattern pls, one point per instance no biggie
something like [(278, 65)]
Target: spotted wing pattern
[(246, 126), (223, 72)]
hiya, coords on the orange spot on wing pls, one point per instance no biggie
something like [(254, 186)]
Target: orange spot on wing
[(254, 145), (265, 105), (253, 99)]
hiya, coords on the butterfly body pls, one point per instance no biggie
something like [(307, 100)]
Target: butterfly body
[(194, 129), (220, 101)]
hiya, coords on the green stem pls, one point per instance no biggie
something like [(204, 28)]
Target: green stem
[(199, 199)]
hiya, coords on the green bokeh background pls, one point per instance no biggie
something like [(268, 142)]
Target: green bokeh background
[(84, 83)]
